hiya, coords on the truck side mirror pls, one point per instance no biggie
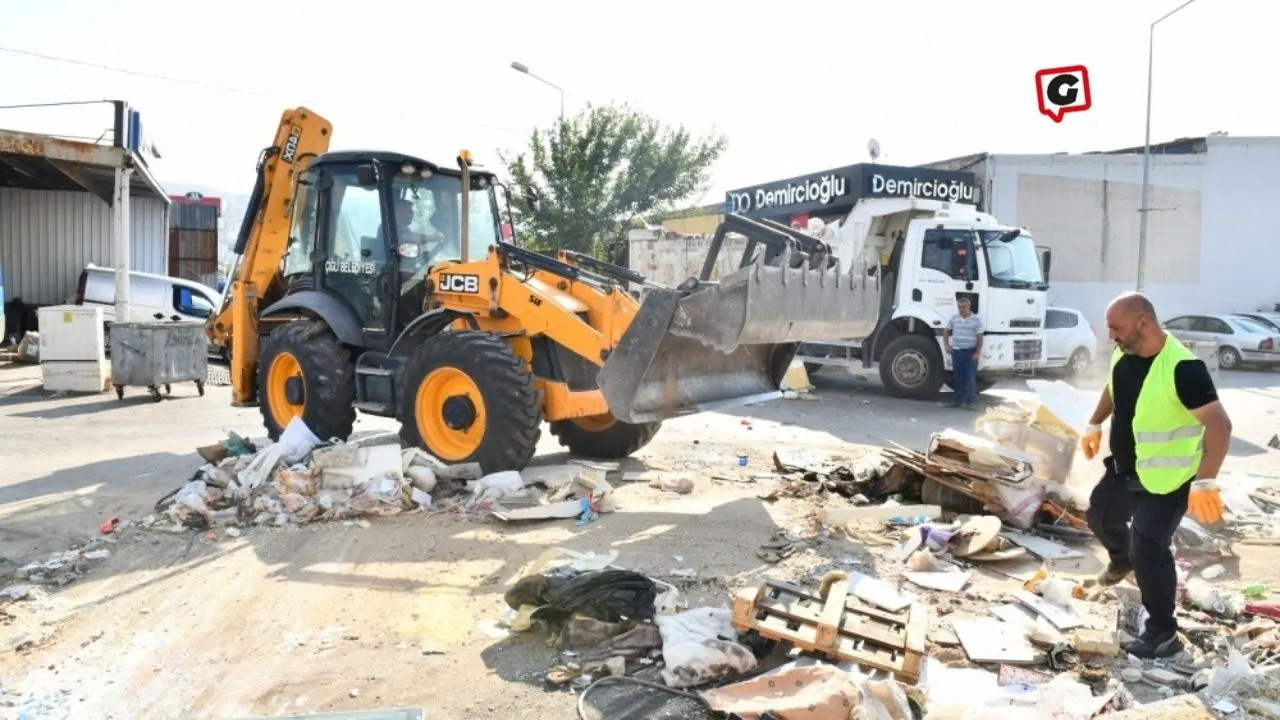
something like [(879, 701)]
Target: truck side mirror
[(367, 175), (1046, 262)]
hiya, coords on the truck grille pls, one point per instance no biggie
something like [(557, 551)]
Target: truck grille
[(1026, 350), (1024, 323)]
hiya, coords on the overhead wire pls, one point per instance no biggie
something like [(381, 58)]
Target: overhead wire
[(221, 88)]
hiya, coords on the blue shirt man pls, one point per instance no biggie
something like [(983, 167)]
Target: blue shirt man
[(963, 339)]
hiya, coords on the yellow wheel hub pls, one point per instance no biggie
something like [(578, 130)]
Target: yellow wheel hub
[(596, 423), (284, 367), (450, 414)]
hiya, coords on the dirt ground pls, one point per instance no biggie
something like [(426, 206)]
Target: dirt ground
[(343, 616)]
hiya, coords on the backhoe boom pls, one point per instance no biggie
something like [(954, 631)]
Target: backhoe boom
[(301, 136)]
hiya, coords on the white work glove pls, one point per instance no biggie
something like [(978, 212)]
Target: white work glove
[(1091, 441)]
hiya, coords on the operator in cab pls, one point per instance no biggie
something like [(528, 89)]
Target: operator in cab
[(1169, 436)]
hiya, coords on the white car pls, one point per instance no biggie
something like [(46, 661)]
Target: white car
[(1240, 340), (1071, 344)]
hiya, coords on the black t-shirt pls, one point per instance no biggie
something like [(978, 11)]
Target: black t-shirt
[(1195, 390)]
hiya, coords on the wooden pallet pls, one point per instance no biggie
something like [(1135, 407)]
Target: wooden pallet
[(843, 631)]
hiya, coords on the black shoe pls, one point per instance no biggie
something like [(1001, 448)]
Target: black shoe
[(1157, 646)]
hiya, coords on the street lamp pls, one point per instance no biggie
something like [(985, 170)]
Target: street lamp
[(522, 68), (1146, 150)]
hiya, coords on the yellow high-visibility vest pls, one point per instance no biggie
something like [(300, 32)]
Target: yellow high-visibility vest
[(1169, 440)]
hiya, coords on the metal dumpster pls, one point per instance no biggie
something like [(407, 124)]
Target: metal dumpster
[(152, 354)]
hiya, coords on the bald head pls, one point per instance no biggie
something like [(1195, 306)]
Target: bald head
[(1133, 304), (1132, 325)]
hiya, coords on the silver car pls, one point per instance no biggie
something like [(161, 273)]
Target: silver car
[(1241, 340), (1269, 319)]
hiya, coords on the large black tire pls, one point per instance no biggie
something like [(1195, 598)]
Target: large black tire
[(911, 367), (328, 387), (474, 378), (598, 439)]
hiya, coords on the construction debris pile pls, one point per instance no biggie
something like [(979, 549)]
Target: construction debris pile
[(613, 624), (300, 479)]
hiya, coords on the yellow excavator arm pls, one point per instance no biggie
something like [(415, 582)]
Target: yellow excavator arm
[(264, 236)]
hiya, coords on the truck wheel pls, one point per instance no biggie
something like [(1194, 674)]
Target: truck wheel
[(467, 398), (603, 437), (304, 371), (911, 367)]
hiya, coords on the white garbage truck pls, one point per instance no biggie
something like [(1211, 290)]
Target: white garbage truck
[(914, 259), (903, 262)]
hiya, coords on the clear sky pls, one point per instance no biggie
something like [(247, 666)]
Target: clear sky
[(796, 86)]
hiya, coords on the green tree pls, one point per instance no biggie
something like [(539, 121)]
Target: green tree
[(595, 173)]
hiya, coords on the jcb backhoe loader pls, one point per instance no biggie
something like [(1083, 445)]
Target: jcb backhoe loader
[(371, 281)]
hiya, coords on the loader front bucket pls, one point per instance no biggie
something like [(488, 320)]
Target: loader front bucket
[(705, 345)]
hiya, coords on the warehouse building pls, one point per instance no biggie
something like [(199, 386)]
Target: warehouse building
[(1209, 245), (58, 212)]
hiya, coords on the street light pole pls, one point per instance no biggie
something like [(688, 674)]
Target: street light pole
[(1146, 149), (522, 68)]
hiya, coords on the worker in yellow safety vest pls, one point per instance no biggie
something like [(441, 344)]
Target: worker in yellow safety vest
[(1169, 436)]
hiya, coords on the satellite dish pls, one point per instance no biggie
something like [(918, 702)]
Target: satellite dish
[(873, 148)]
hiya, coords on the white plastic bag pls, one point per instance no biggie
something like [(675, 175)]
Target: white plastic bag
[(297, 440)]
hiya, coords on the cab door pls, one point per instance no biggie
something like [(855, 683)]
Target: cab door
[(356, 248), (948, 270)]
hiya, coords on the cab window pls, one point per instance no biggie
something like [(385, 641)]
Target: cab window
[(950, 252), (191, 302)]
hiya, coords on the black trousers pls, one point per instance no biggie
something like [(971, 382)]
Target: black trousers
[(1136, 527)]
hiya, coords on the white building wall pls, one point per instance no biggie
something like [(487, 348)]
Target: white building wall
[(1208, 247), (48, 237)]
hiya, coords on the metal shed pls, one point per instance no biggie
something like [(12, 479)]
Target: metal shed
[(65, 204)]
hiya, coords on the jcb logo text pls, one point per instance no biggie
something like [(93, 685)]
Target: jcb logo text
[(460, 283)]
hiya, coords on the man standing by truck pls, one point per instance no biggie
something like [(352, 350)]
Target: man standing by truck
[(963, 339), (1169, 436)]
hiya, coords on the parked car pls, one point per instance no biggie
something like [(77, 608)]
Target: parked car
[(1071, 343), (1271, 320), (1241, 340), (151, 297)]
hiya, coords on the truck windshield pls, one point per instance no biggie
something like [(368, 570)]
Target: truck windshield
[(1014, 263), (436, 203)]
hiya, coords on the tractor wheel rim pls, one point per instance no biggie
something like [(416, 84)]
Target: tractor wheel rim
[(596, 423), (446, 399), (910, 368), (284, 367)]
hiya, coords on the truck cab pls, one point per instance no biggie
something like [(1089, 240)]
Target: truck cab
[(918, 257)]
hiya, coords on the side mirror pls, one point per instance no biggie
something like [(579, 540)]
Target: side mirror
[(367, 175), (1046, 262), (532, 199)]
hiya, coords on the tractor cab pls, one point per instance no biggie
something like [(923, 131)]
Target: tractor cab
[(367, 226)]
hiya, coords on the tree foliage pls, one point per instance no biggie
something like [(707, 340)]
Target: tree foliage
[(595, 173)]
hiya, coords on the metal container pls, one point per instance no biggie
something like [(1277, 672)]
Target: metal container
[(152, 354)]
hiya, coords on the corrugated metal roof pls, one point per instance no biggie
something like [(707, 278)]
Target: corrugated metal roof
[(48, 237), (193, 216)]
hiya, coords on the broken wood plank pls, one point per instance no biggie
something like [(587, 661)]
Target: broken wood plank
[(833, 626)]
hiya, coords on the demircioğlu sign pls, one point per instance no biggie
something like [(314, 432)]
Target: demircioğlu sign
[(834, 192)]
